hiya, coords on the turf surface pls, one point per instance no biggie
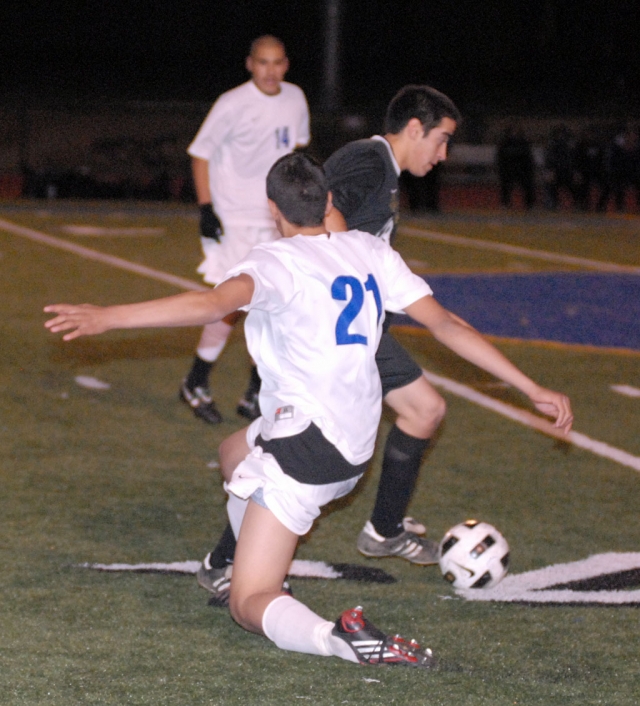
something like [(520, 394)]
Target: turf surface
[(122, 475)]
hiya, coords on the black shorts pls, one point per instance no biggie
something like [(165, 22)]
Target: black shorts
[(310, 458), (397, 368)]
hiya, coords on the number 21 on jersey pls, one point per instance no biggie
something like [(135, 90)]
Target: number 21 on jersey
[(355, 300)]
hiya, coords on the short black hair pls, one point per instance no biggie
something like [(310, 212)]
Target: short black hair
[(297, 185), (422, 102)]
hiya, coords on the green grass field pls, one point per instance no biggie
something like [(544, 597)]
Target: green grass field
[(123, 475)]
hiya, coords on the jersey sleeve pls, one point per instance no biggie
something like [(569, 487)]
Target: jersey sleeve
[(403, 286), (274, 285), (304, 132), (352, 176), (215, 129)]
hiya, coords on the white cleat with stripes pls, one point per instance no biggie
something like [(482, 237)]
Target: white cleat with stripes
[(407, 545)]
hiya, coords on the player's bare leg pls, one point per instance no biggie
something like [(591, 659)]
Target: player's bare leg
[(420, 410), (263, 556)]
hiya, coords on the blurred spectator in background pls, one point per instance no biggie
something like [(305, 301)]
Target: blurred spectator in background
[(589, 168), (514, 161), (622, 168), (558, 165)]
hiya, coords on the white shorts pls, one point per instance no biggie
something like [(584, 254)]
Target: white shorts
[(295, 504), (234, 245)]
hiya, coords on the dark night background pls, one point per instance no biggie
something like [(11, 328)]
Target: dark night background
[(547, 57)]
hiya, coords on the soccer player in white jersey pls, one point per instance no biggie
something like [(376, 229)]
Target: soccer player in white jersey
[(316, 303), (246, 131)]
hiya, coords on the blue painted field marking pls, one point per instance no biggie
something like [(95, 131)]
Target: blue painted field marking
[(588, 308)]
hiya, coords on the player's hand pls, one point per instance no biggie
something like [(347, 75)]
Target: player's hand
[(84, 319), (210, 226), (554, 404)]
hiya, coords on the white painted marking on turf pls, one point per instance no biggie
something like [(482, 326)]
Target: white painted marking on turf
[(97, 256), (91, 383), (178, 567), (535, 586), (531, 420), (97, 231), (626, 390), (302, 569), (479, 244)]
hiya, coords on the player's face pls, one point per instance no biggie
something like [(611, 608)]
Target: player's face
[(267, 65), (427, 150)]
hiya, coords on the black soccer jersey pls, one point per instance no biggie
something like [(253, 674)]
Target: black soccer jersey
[(363, 178)]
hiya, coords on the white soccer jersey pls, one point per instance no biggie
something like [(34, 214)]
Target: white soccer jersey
[(245, 132), (313, 329)]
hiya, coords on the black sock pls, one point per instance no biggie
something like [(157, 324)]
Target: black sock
[(400, 467), (254, 383), (199, 374), (225, 550)]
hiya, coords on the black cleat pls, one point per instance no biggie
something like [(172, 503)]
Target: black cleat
[(201, 403), (249, 407), (372, 646)]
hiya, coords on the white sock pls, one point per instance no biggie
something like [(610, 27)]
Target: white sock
[(213, 340), (292, 626), (236, 507)]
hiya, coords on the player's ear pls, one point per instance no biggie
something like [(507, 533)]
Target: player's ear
[(329, 205), (414, 129), (249, 64), (275, 211)]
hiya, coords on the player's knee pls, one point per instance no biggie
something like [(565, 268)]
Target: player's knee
[(428, 414), (237, 608), (247, 609), (436, 410)]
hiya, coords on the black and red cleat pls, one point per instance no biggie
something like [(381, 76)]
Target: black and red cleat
[(372, 646)]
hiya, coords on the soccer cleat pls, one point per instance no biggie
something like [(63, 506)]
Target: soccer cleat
[(371, 646), (201, 403), (407, 545), (218, 583), (410, 524), (249, 407)]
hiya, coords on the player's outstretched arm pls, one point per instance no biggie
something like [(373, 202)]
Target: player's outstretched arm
[(463, 339), (188, 309)]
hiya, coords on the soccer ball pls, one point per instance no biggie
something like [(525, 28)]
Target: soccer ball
[(473, 555)]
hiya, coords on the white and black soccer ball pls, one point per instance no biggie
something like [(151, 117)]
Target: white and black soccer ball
[(473, 555)]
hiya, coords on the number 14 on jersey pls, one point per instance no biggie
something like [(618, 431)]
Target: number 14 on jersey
[(282, 137)]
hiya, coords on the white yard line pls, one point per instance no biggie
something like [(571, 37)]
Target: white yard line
[(97, 256), (98, 232), (527, 418), (531, 420), (626, 390), (518, 250)]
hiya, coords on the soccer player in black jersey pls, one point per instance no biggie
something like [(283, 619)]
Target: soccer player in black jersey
[(363, 178)]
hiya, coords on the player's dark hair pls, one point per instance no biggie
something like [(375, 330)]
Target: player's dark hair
[(422, 102), (297, 185)]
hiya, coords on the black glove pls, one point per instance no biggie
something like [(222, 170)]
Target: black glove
[(210, 226)]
